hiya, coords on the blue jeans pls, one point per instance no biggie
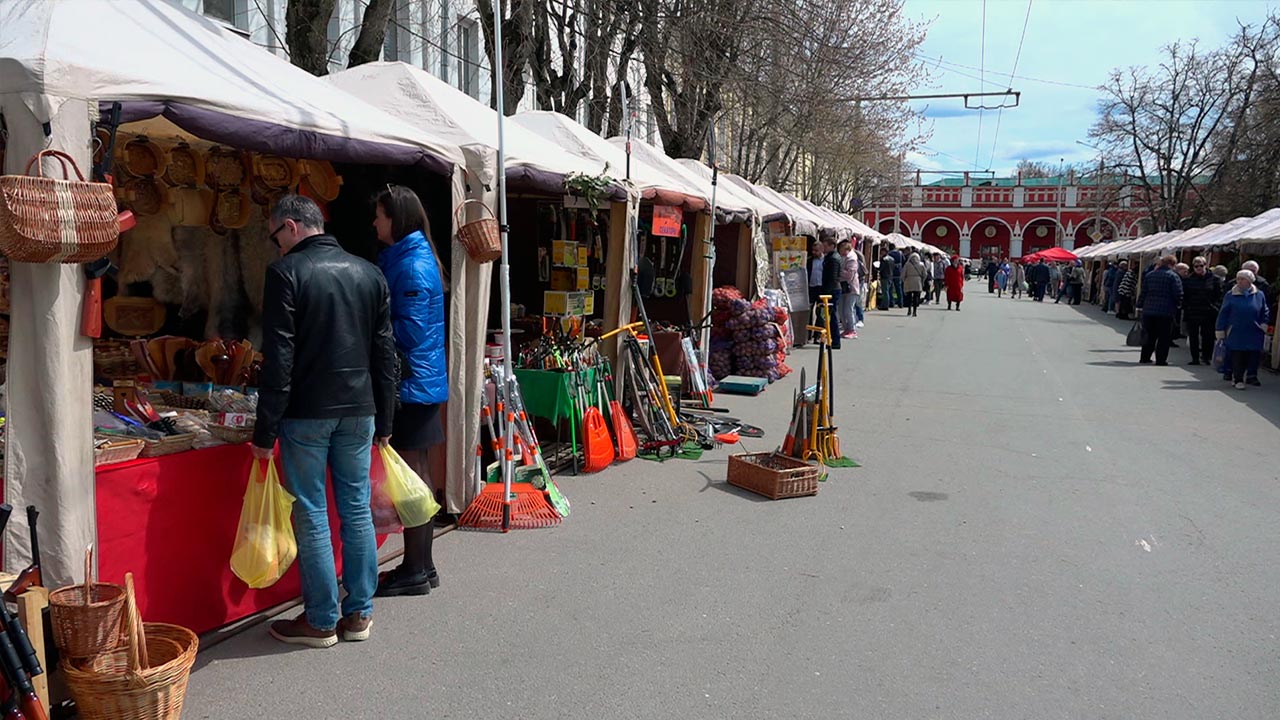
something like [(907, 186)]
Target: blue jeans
[(1109, 301), (307, 448), (899, 298)]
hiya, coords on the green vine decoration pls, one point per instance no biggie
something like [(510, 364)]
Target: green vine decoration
[(592, 188)]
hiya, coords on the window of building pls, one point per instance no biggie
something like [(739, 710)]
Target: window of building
[(443, 49), (232, 12), (469, 57)]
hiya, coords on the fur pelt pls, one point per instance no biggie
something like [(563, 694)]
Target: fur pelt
[(146, 248), (192, 244)]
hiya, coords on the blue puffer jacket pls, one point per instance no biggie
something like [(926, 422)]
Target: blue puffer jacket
[(1243, 318), (417, 317)]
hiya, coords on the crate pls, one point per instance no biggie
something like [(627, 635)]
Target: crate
[(168, 446), (117, 451), (773, 475)]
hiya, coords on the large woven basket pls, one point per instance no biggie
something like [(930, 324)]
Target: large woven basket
[(231, 435), (117, 451), (773, 475), (144, 680), (86, 617), (44, 220), (482, 238), (168, 446)]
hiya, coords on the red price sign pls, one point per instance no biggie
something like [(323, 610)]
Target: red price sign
[(667, 220)]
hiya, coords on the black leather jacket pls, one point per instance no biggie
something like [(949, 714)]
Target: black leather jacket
[(1201, 296), (328, 349)]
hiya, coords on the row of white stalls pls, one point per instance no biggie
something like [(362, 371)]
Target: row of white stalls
[(1256, 237), (179, 78)]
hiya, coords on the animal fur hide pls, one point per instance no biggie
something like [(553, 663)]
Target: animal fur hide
[(146, 248), (227, 302), (191, 244)]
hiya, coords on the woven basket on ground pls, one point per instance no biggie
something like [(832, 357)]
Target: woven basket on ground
[(144, 680), (773, 475), (482, 238), (65, 221), (87, 617)]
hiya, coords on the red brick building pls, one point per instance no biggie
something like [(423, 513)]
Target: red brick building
[(1010, 217)]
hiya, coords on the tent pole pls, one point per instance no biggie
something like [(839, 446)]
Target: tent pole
[(504, 275)]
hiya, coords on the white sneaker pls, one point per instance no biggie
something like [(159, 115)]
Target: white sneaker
[(859, 324), (1240, 386)]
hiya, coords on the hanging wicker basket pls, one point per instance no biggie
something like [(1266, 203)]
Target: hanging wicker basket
[(482, 238), (86, 618), (143, 158), (145, 679), (44, 220), (186, 166)]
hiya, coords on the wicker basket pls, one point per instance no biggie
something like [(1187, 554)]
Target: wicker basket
[(773, 475), (117, 451), (86, 617), (231, 435), (144, 680), (183, 402), (186, 166), (168, 446), (45, 220), (482, 238)]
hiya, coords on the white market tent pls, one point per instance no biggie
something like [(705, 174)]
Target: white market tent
[(803, 220), (60, 61), (611, 160), (758, 206), (423, 100), (729, 208)]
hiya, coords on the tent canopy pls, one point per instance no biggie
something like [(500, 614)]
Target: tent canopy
[(160, 59), (611, 160), (776, 210), (1053, 254), (423, 100), (729, 208), (728, 192)]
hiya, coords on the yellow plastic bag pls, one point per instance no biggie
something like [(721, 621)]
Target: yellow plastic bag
[(414, 501), (265, 546)]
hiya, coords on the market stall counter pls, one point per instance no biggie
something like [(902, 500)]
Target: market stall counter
[(171, 521)]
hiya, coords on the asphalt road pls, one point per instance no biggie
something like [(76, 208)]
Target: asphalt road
[(1040, 529)]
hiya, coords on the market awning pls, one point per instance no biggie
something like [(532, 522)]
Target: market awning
[(611, 160), (423, 100), (777, 210), (728, 192), (728, 208), (159, 59)]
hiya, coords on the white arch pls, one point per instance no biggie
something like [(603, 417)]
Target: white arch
[(993, 219), (1046, 218), (926, 223), (1136, 228), (1115, 229)]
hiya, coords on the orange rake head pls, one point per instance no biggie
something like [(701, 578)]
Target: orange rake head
[(528, 508)]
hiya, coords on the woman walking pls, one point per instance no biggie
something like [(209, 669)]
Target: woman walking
[(417, 289), (1125, 291), (1242, 324), (1017, 278), (955, 283), (913, 276)]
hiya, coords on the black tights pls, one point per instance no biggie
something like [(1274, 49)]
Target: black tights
[(913, 302)]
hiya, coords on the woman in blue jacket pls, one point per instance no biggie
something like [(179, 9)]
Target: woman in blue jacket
[(1242, 324), (416, 285)]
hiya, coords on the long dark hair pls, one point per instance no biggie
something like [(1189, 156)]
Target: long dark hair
[(407, 215)]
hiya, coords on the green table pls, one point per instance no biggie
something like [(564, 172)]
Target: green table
[(549, 393)]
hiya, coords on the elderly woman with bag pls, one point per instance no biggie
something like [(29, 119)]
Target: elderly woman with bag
[(417, 286), (913, 276), (1242, 326)]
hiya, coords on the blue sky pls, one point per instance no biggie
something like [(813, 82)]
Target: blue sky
[(1067, 41)]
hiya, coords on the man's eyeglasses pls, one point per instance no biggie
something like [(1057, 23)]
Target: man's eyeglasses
[(272, 237)]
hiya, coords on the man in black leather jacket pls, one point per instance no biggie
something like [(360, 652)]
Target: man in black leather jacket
[(327, 390), (1202, 293)]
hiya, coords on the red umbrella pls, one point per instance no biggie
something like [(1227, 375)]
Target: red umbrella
[(1055, 254)]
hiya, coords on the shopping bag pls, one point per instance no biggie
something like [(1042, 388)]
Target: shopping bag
[(1135, 337), (1219, 355), (413, 500), (385, 518), (265, 546)]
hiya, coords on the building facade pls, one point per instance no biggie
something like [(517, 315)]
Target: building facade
[(1011, 217)]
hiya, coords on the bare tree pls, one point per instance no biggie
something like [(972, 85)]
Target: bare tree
[(517, 47), (373, 33), (307, 33), (1161, 125)]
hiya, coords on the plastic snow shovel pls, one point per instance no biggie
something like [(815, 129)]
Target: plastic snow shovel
[(623, 433)]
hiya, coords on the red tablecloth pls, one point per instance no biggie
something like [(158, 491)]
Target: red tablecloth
[(171, 521)]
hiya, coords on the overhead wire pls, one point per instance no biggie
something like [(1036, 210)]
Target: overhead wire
[(952, 67), (1016, 57), (982, 81)]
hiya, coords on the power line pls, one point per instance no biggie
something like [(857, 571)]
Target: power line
[(1017, 56), (953, 65), (982, 64)]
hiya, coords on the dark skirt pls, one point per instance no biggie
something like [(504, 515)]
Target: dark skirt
[(417, 427)]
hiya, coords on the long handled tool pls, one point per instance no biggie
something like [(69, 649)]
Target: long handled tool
[(18, 659), (30, 576)]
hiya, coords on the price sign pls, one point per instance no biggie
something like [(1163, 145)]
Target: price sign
[(667, 220)]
